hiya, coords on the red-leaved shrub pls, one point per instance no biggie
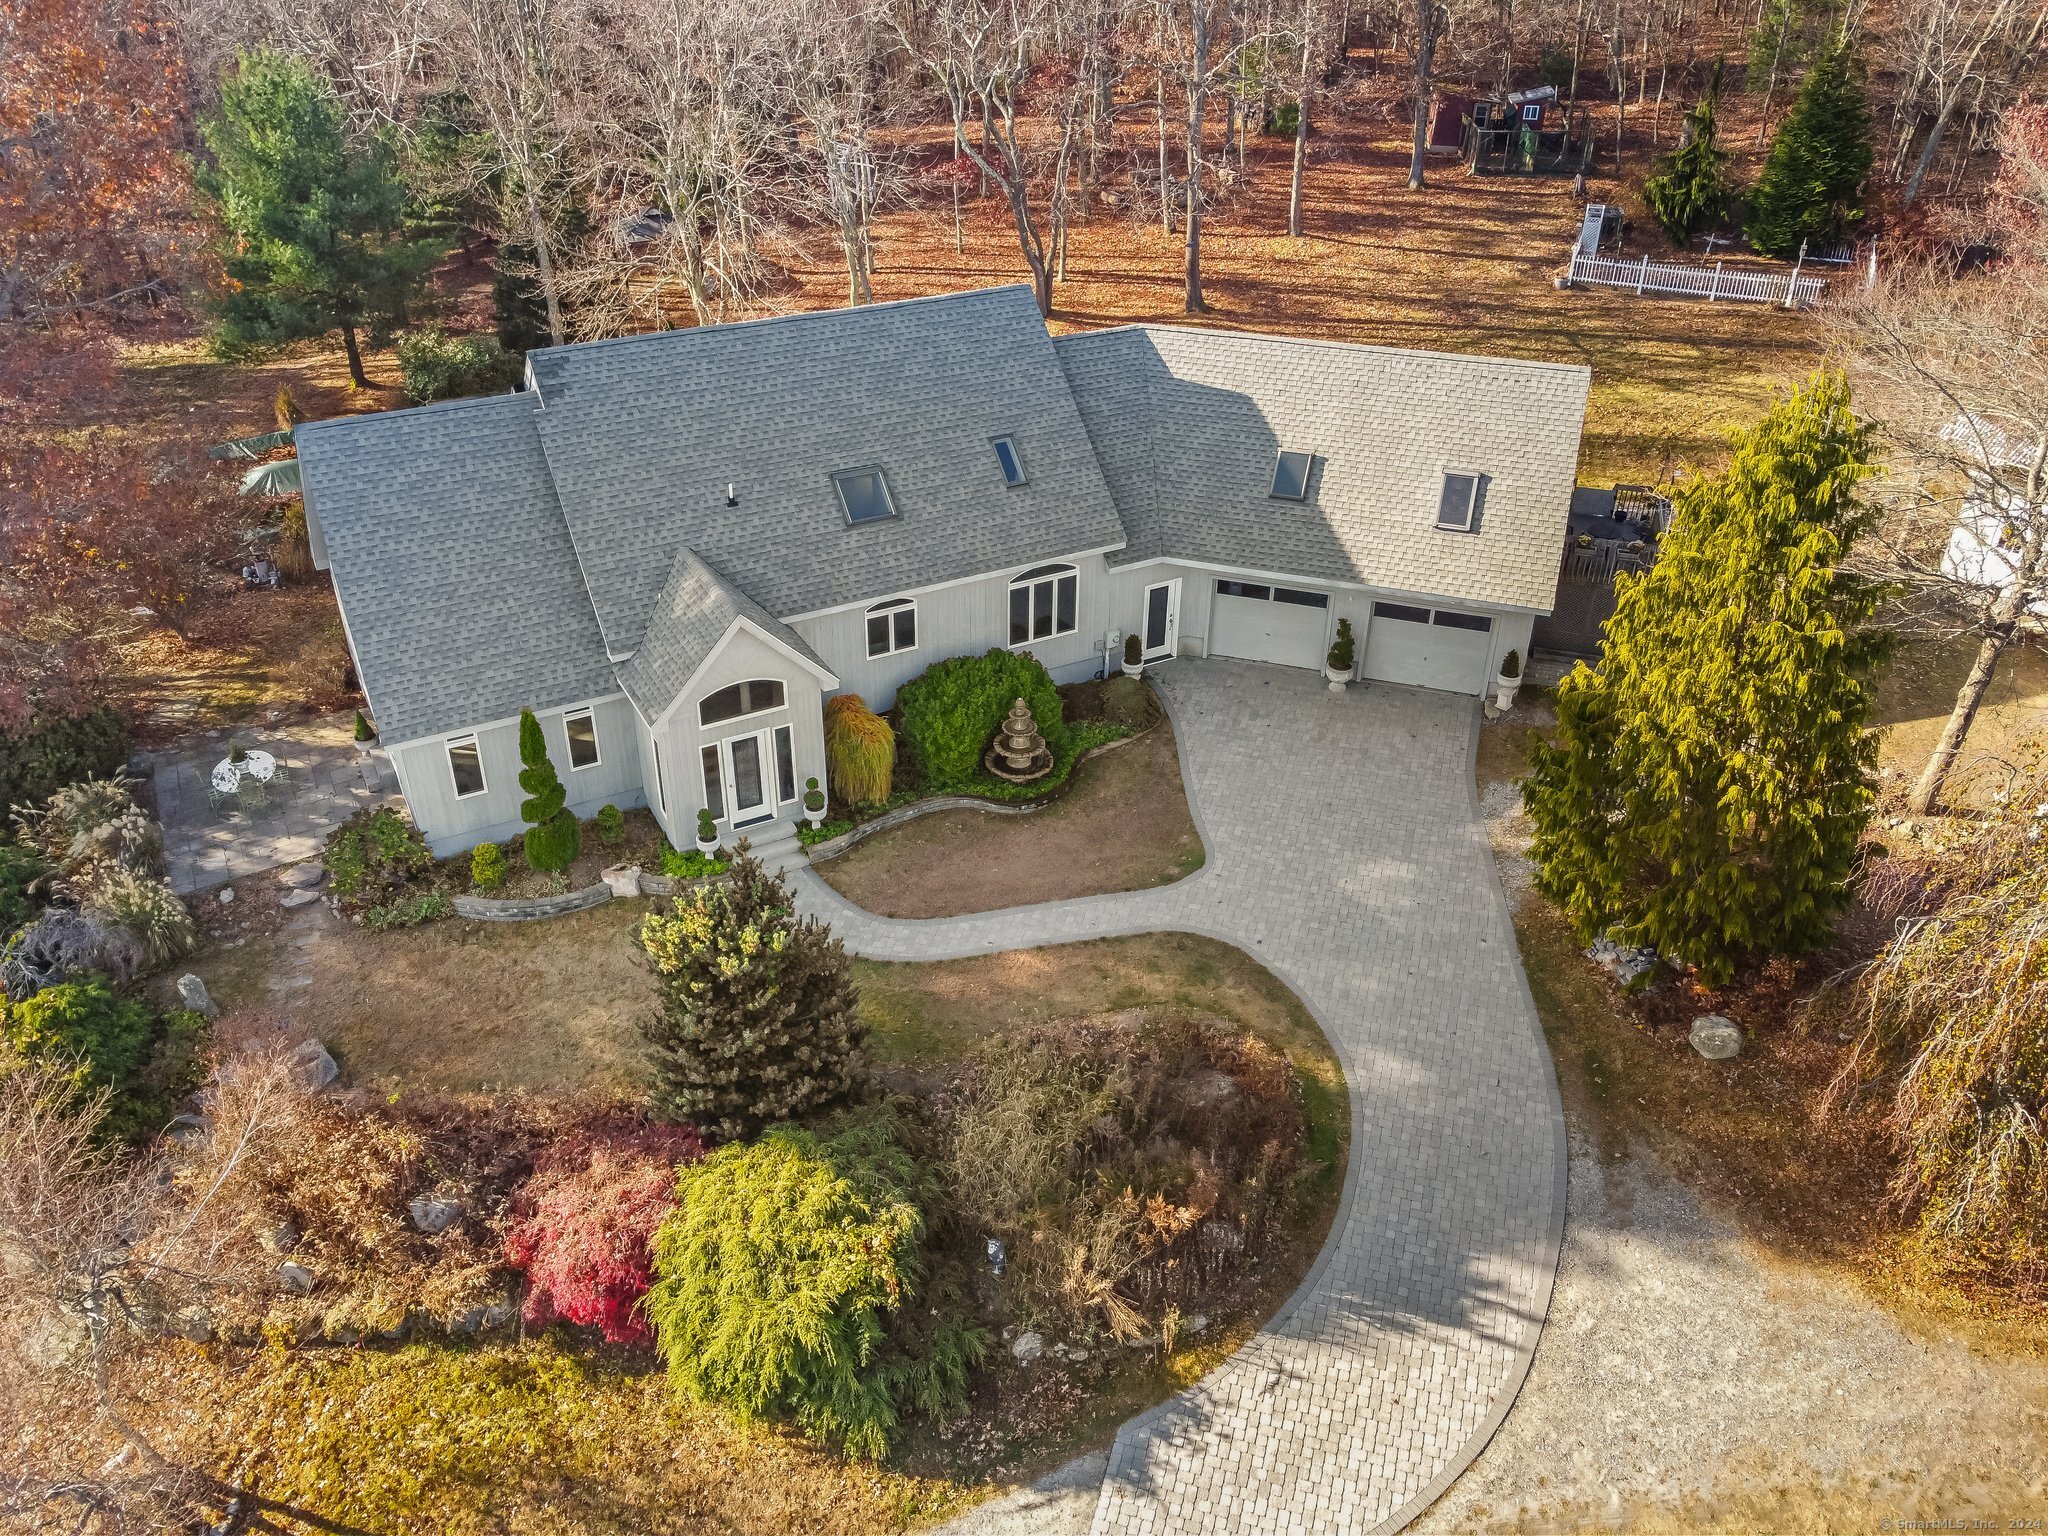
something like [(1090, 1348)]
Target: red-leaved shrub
[(584, 1220)]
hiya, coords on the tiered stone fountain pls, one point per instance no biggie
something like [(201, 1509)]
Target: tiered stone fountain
[(1019, 754)]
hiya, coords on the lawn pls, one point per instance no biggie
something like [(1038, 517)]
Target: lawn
[(1122, 825)]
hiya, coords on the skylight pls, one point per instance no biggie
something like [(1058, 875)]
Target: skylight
[(1290, 475), (1008, 457), (1459, 503), (864, 494)]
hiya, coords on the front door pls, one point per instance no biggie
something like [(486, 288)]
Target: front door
[(1162, 620), (745, 776), (748, 758)]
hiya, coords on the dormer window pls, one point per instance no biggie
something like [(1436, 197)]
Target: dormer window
[(864, 493), (1458, 506), (1011, 462), (1290, 475)]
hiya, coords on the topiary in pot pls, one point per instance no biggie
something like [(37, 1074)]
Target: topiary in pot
[(1344, 649), (1134, 654), (814, 798), (707, 829), (363, 731), (1511, 664)]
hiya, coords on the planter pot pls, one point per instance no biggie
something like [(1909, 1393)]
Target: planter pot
[(1504, 691), (1131, 670), (815, 818), (366, 749), (707, 849), (1338, 676), (624, 879)]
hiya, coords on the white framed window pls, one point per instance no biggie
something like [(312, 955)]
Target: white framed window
[(1457, 506), (1532, 112), (864, 494), (1044, 601), (466, 767), (1290, 476), (1009, 460), (660, 784), (752, 697), (892, 627), (581, 727), (785, 765)]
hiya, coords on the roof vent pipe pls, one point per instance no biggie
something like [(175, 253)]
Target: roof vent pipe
[(732, 495)]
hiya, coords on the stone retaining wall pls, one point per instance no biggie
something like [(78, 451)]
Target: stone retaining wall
[(490, 909)]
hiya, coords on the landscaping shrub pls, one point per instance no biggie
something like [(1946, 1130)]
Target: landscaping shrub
[(111, 1045), (553, 838), (92, 822), (759, 1020), (62, 944), (146, 907), (1956, 1007), (1128, 1170), (689, 863), (433, 365), (952, 709), (294, 550), (53, 750), (408, 911), (363, 730), (22, 872), (486, 867), (375, 857), (585, 1224), (611, 826), (824, 832), (789, 1280), (860, 750)]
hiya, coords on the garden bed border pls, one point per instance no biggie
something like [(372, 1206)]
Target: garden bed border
[(529, 909)]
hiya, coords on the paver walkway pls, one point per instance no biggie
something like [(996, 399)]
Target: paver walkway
[(1346, 854), (327, 784)]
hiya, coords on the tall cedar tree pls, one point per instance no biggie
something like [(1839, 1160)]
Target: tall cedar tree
[(1711, 780), (315, 225), (1688, 191), (759, 1019), (552, 837), (1811, 189)]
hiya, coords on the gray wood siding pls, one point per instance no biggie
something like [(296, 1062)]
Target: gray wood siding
[(962, 620), (451, 825), (683, 740)]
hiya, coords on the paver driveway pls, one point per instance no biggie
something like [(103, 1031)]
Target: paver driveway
[(1346, 854)]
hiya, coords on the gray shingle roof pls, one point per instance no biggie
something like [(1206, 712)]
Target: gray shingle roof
[(644, 433), (452, 563), (1186, 424), (694, 610)]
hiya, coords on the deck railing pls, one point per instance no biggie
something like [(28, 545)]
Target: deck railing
[(1792, 290)]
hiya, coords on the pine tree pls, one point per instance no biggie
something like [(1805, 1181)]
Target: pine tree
[(1687, 191), (1711, 780), (1811, 188), (314, 225), (759, 1019), (552, 837)]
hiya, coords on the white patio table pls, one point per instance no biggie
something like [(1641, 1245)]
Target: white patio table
[(255, 764)]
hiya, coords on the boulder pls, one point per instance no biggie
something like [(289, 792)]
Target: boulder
[(296, 1278), (435, 1213), (192, 994), (226, 896), (1715, 1037), (299, 898), (624, 879), (313, 1067), (1027, 1347), (303, 877)]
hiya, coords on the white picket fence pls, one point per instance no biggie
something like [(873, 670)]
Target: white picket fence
[(1792, 290)]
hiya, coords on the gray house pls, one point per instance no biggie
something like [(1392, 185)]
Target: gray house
[(673, 547)]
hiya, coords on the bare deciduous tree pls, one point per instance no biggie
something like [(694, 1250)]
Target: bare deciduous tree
[(1951, 56), (1194, 47), (1432, 18)]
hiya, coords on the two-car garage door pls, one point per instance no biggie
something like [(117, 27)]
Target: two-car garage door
[(1257, 622), (1428, 648)]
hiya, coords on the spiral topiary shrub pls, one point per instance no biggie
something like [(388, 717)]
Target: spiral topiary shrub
[(860, 750), (553, 839)]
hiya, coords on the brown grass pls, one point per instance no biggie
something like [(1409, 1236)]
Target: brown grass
[(1123, 826)]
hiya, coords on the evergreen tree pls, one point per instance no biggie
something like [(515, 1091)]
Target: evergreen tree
[(552, 837), (759, 1018), (1687, 191), (314, 225), (1711, 780), (1811, 188)]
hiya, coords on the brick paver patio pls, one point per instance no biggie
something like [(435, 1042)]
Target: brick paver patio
[(1346, 854), (327, 784)]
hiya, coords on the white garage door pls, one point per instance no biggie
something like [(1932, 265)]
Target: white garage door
[(1263, 623), (1428, 648)]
